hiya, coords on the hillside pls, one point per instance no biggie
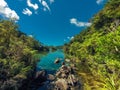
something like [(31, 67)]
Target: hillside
[(96, 50), (18, 56)]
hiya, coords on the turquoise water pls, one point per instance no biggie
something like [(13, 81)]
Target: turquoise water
[(47, 61)]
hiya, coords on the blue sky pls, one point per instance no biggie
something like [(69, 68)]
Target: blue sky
[(52, 22)]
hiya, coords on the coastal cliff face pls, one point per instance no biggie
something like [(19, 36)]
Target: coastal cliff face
[(18, 56), (96, 50)]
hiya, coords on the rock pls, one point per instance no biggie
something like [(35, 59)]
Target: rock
[(40, 73), (65, 79), (64, 67), (67, 60), (61, 84), (63, 63), (57, 61), (40, 77), (50, 77), (63, 75), (58, 74), (72, 80), (9, 85)]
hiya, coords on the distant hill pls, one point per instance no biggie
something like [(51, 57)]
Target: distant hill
[(18, 56), (96, 50)]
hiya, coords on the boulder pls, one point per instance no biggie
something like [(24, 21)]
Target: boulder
[(61, 84), (72, 80), (63, 63), (40, 73), (40, 77), (57, 61), (66, 79), (58, 74), (63, 75), (50, 77)]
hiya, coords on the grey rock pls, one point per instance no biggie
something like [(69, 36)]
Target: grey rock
[(61, 84), (57, 61), (40, 73), (51, 77)]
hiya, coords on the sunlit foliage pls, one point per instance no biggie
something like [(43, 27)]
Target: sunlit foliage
[(96, 50), (18, 55)]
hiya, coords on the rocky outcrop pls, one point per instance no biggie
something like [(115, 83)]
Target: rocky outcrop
[(40, 77), (65, 79), (57, 61), (61, 84), (50, 77)]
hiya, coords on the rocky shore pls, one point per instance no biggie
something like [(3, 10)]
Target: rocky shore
[(64, 79)]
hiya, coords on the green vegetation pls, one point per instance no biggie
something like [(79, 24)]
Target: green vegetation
[(96, 50), (18, 55)]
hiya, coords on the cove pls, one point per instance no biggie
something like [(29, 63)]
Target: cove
[(47, 61), (64, 77)]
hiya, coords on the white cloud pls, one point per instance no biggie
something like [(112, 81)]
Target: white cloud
[(34, 6), (27, 12), (45, 5), (79, 24), (6, 12), (51, 1), (99, 1)]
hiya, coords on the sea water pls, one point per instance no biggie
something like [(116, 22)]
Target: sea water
[(47, 62)]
